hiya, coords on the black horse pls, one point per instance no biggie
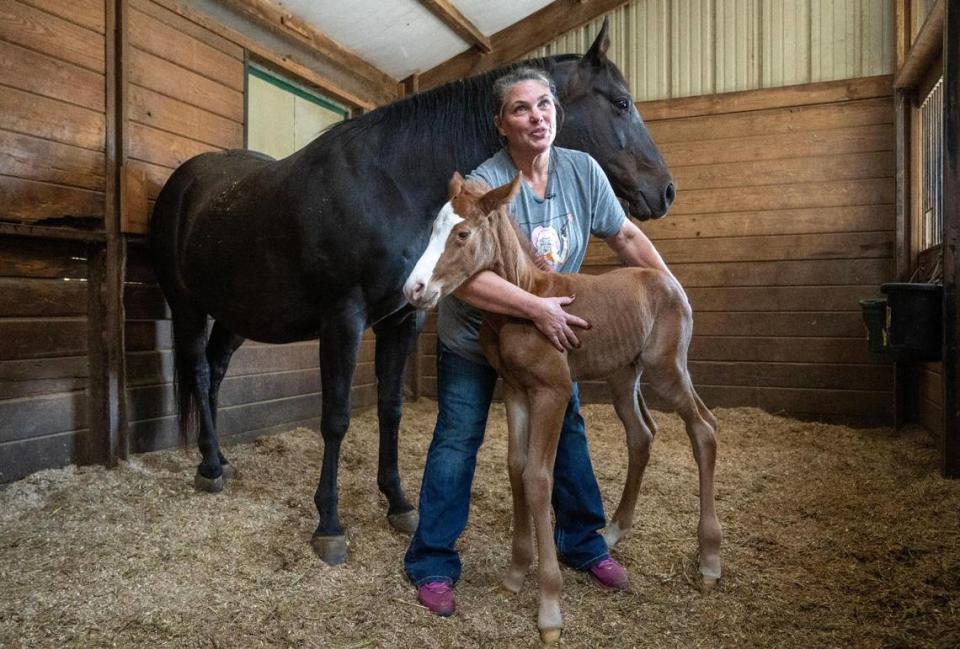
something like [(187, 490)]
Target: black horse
[(317, 245)]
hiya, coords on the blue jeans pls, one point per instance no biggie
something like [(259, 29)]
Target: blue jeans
[(464, 392)]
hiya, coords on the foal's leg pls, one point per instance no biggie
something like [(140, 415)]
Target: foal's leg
[(395, 338), (672, 381), (220, 349), (547, 407), (632, 412), (339, 346), (518, 422)]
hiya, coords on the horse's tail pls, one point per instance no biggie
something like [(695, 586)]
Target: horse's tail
[(189, 360)]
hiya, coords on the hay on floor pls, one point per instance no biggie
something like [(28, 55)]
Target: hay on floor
[(833, 537)]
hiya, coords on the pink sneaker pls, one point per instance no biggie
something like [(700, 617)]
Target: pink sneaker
[(438, 597), (610, 575)]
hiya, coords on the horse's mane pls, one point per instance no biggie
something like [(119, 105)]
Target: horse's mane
[(458, 113)]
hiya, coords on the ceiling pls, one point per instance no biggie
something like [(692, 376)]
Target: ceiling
[(403, 37)]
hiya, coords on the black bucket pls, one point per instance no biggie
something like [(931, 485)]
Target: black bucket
[(914, 326)]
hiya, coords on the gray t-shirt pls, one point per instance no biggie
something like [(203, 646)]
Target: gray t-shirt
[(578, 202)]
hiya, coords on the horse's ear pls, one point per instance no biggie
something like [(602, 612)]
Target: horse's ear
[(455, 186), (501, 196), (598, 51)]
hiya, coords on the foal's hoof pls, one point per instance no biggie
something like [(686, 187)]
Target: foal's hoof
[(405, 522), (709, 583), (550, 637), (332, 550), (210, 485)]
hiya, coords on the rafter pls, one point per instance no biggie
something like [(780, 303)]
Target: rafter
[(513, 42), (456, 21)]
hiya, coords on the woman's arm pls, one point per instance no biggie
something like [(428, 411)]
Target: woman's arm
[(490, 292), (635, 249)]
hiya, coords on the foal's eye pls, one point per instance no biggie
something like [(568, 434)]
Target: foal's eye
[(463, 234), (622, 103)]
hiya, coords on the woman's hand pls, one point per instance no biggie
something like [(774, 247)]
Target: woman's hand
[(556, 324)]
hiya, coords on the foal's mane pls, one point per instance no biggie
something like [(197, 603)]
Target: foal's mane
[(476, 189)]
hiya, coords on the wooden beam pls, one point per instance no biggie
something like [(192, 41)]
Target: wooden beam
[(513, 42), (274, 18), (903, 107), (950, 441), (410, 85), (902, 32), (925, 48), (452, 18)]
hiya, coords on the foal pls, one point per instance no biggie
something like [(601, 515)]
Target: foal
[(640, 321)]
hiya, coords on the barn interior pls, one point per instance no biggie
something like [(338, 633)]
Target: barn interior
[(807, 142)]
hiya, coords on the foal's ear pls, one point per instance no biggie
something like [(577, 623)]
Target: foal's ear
[(598, 51), (501, 196), (455, 186)]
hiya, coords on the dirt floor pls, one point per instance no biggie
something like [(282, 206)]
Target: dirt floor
[(833, 537)]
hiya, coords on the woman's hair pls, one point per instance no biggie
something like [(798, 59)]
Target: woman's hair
[(503, 84)]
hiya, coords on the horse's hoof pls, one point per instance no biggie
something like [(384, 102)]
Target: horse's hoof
[(405, 522), (210, 485), (229, 473), (332, 550), (550, 637)]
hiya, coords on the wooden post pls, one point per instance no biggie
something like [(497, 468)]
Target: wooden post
[(950, 442), (107, 435)]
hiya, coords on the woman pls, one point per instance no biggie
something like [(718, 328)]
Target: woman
[(565, 199)]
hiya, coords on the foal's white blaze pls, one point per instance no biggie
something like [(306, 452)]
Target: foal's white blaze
[(419, 289)]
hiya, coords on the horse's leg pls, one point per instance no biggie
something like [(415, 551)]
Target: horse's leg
[(632, 411), (547, 407), (339, 347), (518, 422), (220, 349), (395, 338), (193, 391), (671, 380)]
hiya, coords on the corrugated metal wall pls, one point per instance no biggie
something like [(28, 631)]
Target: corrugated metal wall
[(683, 48)]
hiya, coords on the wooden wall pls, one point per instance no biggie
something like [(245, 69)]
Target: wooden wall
[(784, 219)]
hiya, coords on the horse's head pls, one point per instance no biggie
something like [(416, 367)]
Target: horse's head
[(601, 119), (462, 242)]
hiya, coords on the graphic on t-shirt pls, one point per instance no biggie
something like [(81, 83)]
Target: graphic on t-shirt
[(550, 244)]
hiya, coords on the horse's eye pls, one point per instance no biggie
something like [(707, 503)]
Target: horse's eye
[(622, 103)]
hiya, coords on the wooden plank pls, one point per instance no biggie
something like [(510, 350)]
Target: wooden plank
[(835, 167), (22, 419), (156, 366), (863, 272), (46, 338), (512, 43), (880, 191), (42, 259), (29, 200), (786, 324), (20, 459), (776, 146), (33, 158), (450, 16), (793, 375), (926, 47), (28, 378), (767, 98), (779, 298), (42, 117), (165, 113), (162, 148), (802, 119), (144, 302), (144, 182), (930, 416), (42, 297), (44, 32), (782, 350), (86, 13), (837, 245), (166, 42), (848, 218), (170, 79), (875, 407), (181, 24), (902, 114), (50, 77)]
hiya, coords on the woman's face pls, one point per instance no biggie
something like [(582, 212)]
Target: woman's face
[(528, 118)]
